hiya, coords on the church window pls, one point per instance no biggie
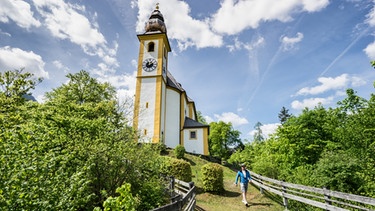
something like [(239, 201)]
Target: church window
[(151, 47), (145, 132), (193, 134)]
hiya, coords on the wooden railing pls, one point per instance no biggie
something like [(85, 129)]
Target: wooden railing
[(182, 196), (317, 197)]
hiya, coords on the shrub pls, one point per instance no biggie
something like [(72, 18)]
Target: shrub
[(161, 148), (180, 169), (212, 176), (179, 151), (125, 201)]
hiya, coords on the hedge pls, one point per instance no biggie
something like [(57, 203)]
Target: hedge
[(213, 179), (180, 169)]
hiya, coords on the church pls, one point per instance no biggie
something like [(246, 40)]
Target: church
[(163, 112)]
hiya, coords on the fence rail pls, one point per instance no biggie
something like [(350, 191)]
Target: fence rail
[(182, 196), (317, 197)]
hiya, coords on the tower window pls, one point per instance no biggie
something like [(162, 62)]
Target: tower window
[(151, 47), (145, 132), (147, 105)]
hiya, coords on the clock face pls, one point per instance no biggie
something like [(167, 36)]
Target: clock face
[(149, 64)]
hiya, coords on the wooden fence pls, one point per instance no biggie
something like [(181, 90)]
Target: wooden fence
[(182, 196), (317, 197)]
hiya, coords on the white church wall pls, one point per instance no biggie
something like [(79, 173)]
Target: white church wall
[(186, 112), (194, 145), (172, 129), (163, 110), (147, 115)]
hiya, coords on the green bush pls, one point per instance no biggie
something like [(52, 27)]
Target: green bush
[(212, 176), (161, 148), (179, 151), (125, 201), (180, 169)]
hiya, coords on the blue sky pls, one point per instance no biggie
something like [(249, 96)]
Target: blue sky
[(241, 61)]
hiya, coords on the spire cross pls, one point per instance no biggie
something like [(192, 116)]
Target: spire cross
[(157, 6)]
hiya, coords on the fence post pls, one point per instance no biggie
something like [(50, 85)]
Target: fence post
[(261, 182), (285, 200), (171, 183), (327, 197), (191, 185)]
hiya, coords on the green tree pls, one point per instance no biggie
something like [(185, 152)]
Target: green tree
[(201, 118), (82, 88), (352, 103), (223, 139), (72, 154), (284, 115), (14, 85), (258, 135)]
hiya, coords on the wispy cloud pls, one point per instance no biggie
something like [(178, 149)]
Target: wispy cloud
[(289, 43), (60, 66), (358, 37), (370, 49), (19, 12), (228, 117)]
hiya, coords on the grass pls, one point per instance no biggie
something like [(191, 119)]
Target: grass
[(231, 198)]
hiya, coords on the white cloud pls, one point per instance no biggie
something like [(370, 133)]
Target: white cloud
[(289, 43), (267, 130), (329, 83), (238, 45), (125, 84), (15, 58), (208, 119), (19, 12), (370, 51), (231, 117), (134, 63), (235, 16), (371, 17), (60, 66), (181, 26), (64, 22), (5, 33), (311, 103), (67, 21)]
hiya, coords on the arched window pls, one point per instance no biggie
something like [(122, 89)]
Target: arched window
[(151, 47)]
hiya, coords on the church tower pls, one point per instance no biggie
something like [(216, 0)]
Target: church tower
[(150, 97), (163, 112)]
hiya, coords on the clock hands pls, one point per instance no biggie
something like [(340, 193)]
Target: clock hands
[(149, 64)]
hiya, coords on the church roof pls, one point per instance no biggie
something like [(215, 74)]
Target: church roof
[(156, 22), (172, 82), (191, 123)]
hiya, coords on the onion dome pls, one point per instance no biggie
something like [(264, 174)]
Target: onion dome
[(156, 22)]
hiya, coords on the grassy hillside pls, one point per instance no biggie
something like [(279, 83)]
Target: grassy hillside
[(231, 198)]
